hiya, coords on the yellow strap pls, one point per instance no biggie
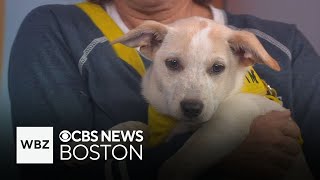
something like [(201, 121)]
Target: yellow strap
[(111, 31), (253, 83), (159, 125)]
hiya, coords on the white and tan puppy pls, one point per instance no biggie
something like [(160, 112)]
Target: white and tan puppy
[(196, 75)]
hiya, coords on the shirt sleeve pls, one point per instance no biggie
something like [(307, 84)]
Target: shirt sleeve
[(46, 88), (306, 98)]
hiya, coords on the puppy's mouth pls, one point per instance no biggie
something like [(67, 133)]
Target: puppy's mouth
[(192, 120)]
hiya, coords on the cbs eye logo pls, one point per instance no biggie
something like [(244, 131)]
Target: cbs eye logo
[(65, 136)]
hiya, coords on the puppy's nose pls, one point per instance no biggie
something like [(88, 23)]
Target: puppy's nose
[(191, 108)]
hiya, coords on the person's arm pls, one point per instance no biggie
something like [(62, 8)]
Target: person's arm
[(306, 98), (46, 88), (268, 152)]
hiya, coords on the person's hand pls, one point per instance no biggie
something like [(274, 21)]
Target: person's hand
[(268, 151)]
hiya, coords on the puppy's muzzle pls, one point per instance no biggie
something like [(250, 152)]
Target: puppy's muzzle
[(191, 108)]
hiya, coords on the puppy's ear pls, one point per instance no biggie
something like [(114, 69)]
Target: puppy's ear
[(148, 36), (247, 47)]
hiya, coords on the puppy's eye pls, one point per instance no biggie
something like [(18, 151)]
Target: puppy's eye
[(217, 68), (173, 64)]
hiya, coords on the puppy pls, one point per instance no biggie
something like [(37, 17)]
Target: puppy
[(196, 75)]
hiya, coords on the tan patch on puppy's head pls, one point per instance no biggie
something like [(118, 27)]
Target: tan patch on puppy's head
[(183, 31)]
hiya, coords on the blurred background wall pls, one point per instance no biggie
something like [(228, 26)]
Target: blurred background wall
[(305, 14), (1, 33)]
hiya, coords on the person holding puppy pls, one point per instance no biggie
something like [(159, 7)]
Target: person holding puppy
[(64, 73)]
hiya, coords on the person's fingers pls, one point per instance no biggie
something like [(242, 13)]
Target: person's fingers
[(276, 160), (281, 160), (291, 129), (289, 145), (273, 119), (278, 118), (279, 114)]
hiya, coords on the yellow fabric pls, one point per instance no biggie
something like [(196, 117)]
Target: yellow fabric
[(253, 83), (159, 125), (111, 31)]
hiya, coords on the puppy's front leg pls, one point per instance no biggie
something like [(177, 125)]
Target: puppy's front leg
[(211, 142), (217, 138), (204, 148)]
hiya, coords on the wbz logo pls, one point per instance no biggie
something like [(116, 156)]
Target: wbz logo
[(34, 145), (37, 144)]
